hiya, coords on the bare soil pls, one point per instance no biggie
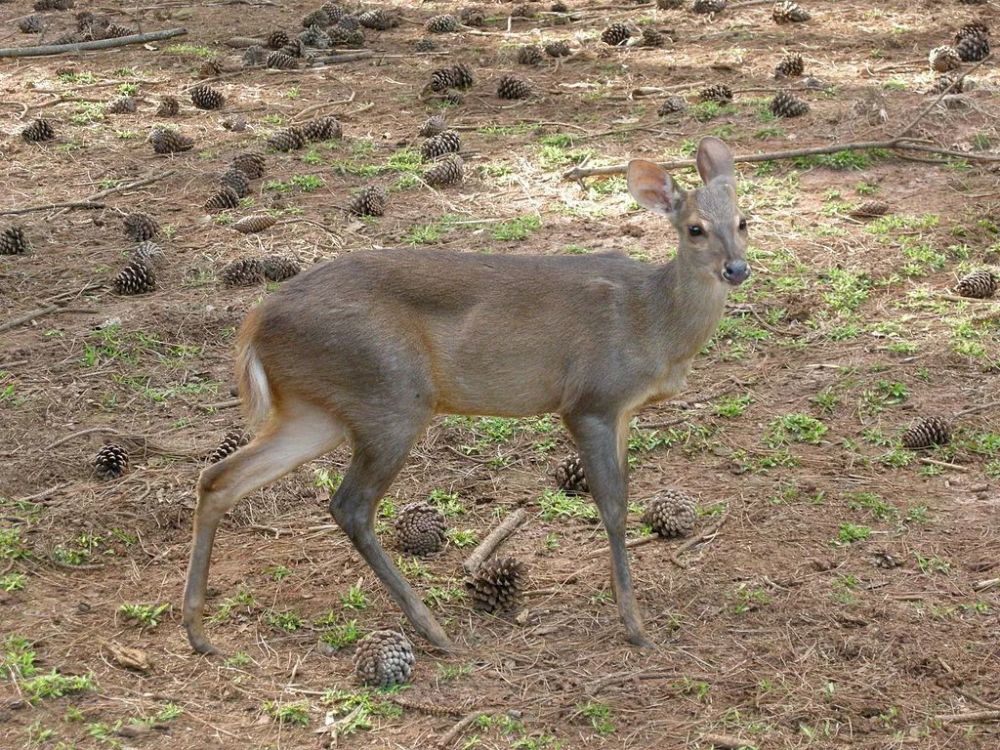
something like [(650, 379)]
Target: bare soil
[(849, 598)]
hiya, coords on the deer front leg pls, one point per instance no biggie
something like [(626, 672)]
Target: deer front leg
[(602, 443)]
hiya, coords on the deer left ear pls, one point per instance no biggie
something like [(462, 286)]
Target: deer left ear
[(715, 161), (653, 189)]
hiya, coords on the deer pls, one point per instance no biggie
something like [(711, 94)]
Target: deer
[(369, 347)]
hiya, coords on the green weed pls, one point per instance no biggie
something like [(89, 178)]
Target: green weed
[(517, 229), (55, 685), (342, 635), (848, 533), (296, 712), (798, 428), (355, 598), (556, 504), (147, 615)]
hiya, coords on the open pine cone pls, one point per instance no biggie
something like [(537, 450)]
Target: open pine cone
[(497, 584), (671, 514), (384, 658)]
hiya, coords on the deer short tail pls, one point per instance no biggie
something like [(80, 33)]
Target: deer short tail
[(255, 391)]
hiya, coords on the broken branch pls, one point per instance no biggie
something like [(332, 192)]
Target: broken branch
[(494, 540), (61, 49)]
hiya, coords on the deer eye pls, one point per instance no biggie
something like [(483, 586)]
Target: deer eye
[(695, 230), (743, 225)]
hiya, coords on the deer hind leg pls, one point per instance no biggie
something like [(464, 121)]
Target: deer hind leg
[(376, 461), (292, 436)]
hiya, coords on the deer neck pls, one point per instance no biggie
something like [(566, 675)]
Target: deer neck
[(689, 301)]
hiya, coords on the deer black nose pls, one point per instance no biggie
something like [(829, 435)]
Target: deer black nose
[(736, 272)]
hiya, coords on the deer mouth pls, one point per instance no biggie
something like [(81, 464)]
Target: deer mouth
[(734, 274)]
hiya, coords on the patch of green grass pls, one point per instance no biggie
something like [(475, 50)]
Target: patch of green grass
[(56, 685), (11, 545), (848, 533), (244, 599), (874, 504), (462, 537), (599, 715), (191, 50), (932, 564), (238, 660), (146, 615), (435, 596), (886, 393), (706, 111), (846, 290), (72, 76), (354, 598), (731, 406), (795, 428), (749, 598), (296, 712), (843, 160), (761, 463), (289, 621), (557, 504), (87, 113), (517, 229), (342, 635), (278, 572), (328, 480), (13, 582), (697, 689), (19, 658), (446, 502)]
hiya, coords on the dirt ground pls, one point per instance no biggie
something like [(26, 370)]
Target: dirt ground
[(850, 596)]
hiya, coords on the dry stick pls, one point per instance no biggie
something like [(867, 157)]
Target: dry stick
[(494, 540), (972, 716), (90, 200), (61, 49), (637, 542), (725, 741), (975, 409), (220, 404), (705, 536), (577, 173), (926, 110), (28, 316), (52, 206), (943, 464), (452, 734), (81, 433), (987, 584)]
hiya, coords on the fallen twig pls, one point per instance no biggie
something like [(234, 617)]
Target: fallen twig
[(704, 536), (637, 542), (494, 540), (971, 716), (228, 404), (987, 584), (578, 173), (61, 49), (943, 464), (728, 742), (460, 726), (51, 206)]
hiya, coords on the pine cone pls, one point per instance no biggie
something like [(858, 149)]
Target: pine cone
[(432, 126), (975, 28), (72, 37), (170, 141), (254, 224), (557, 49), (235, 124), (342, 37), (981, 284), (420, 529), (14, 242), (447, 171), (140, 226), (251, 164), (117, 31), (652, 38), (137, 277), (944, 58), (378, 20), (717, 92), (497, 584), (148, 253), (461, 76), (276, 40), (473, 16), (236, 180), (559, 7), (254, 56), (370, 201), (973, 48), (111, 461), (122, 105), (315, 37), (669, 4), (708, 7), (205, 97), (334, 11), (444, 24), (671, 513), (948, 82), (320, 18), (870, 209), (789, 12), (279, 267), (30, 25), (529, 54), (671, 105), (425, 45), (232, 442), (169, 107), (570, 477), (785, 104), (53, 4), (448, 142), (384, 658), (791, 66), (38, 130), (513, 88), (927, 432), (322, 129), (522, 11), (288, 139), (281, 61), (347, 22), (225, 199), (243, 272), (616, 34)]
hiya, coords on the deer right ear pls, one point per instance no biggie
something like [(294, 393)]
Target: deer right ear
[(653, 189)]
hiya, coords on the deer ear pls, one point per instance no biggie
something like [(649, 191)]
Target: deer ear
[(653, 189), (714, 161)]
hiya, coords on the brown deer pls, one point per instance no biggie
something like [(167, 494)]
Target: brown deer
[(369, 347)]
